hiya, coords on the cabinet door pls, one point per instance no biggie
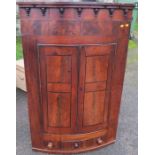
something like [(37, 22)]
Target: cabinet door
[(94, 86), (58, 81)]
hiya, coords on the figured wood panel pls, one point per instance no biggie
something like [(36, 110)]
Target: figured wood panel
[(96, 68), (64, 27), (59, 69), (98, 50), (94, 108), (59, 109)]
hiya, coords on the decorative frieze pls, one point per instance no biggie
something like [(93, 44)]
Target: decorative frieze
[(27, 9), (43, 11), (96, 11), (61, 10), (111, 11), (125, 11), (79, 9)]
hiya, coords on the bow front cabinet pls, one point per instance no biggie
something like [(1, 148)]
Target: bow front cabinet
[(75, 55)]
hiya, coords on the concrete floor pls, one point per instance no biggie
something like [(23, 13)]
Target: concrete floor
[(127, 135)]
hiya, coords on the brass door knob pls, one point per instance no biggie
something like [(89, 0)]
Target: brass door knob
[(99, 141), (122, 25), (50, 145), (126, 25)]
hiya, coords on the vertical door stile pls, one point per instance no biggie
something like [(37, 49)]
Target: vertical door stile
[(108, 88), (75, 79), (81, 88)]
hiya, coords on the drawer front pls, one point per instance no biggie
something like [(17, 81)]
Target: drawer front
[(58, 78)]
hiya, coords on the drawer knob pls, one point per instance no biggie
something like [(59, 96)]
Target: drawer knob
[(50, 145), (99, 141), (76, 145)]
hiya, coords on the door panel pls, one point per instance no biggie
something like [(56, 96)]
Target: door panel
[(96, 68), (59, 109), (58, 76), (61, 67), (93, 108), (95, 87)]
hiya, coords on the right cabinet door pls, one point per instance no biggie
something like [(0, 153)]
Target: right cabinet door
[(96, 67)]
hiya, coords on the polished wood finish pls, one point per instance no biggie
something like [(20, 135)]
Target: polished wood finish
[(75, 55)]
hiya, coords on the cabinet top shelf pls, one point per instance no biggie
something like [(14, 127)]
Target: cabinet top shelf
[(67, 3)]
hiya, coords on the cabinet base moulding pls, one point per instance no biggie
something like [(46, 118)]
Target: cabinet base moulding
[(79, 150)]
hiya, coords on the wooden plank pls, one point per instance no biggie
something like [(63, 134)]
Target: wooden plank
[(20, 75)]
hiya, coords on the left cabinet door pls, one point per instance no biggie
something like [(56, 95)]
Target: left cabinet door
[(58, 88)]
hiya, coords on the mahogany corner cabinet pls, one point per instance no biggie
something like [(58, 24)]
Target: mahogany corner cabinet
[(75, 55)]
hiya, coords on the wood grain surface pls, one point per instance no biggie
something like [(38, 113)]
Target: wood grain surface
[(75, 56)]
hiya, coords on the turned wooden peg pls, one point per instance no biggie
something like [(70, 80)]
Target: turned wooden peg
[(50, 145), (99, 141), (76, 145), (111, 11), (79, 11), (96, 10), (28, 11), (125, 11), (61, 10), (43, 11)]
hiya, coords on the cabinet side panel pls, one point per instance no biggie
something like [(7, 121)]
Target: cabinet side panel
[(117, 81), (34, 110)]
